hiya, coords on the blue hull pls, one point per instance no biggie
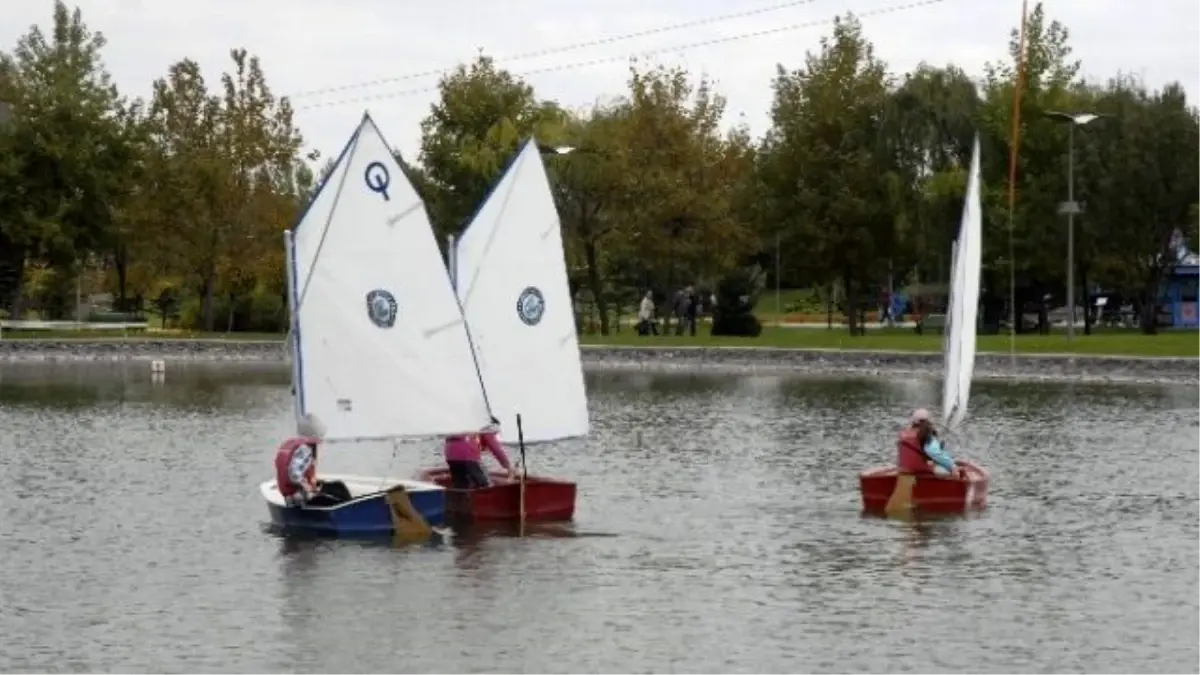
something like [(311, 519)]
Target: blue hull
[(366, 516)]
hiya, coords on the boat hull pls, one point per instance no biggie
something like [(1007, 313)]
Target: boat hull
[(930, 494), (370, 513), (546, 499)]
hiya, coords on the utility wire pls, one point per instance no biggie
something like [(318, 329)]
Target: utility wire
[(561, 49), (625, 57)]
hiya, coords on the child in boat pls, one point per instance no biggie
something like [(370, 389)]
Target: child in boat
[(296, 468), (464, 456), (919, 447)]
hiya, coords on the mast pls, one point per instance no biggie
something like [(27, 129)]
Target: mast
[(289, 248)]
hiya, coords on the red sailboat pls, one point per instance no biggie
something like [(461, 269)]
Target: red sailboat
[(510, 275), (886, 490)]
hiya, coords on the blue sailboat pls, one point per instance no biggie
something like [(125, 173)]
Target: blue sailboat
[(380, 349)]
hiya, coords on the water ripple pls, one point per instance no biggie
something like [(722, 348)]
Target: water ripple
[(135, 541)]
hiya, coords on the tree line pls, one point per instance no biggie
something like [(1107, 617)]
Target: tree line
[(177, 202)]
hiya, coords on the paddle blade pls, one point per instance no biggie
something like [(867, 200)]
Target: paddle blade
[(407, 522)]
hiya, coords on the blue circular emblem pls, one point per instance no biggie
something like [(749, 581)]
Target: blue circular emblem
[(531, 305), (381, 308)]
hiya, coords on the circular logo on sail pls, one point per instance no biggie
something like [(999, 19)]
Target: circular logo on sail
[(381, 308), (531, 306)]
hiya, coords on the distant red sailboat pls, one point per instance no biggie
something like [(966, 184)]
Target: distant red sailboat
[(510, 275), (885, 490)]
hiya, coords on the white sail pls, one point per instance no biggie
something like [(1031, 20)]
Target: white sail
[(380, 348), (949, 387), (511, 278), (962, 316)]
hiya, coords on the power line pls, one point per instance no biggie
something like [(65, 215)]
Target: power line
[(549, 51), (625, 57)]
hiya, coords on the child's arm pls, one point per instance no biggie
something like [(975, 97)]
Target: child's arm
[(497, 450), (934, 451)]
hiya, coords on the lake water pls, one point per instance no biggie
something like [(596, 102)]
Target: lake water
[(718, 530)]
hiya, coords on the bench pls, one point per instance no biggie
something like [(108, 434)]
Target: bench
[(933, 323)]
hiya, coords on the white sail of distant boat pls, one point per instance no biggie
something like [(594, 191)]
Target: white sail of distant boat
[(963, 312), (511, 277), (380, 348)]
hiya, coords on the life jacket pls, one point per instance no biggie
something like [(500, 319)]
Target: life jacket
[(910, 456), (283, 459)]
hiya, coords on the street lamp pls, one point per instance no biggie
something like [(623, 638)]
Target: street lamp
[(1071, 207), (5, 120)]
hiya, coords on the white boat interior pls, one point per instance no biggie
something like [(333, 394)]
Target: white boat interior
[(359, 486)]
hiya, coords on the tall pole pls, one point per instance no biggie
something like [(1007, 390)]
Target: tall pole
[(891, 292), (5, 117), (778, 302), (1071, 208)]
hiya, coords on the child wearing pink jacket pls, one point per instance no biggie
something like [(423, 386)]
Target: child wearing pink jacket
[(464, 456)]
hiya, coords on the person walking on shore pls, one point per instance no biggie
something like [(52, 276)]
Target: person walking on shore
[(646, 324)]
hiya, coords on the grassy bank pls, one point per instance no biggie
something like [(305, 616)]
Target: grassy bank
[(1114, 343), (133, 336), (1125, 343)]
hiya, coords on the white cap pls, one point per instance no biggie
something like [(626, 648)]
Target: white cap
[(309, 425), (920, 415)]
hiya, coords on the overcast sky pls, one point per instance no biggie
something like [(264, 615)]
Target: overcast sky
[(309, 45)]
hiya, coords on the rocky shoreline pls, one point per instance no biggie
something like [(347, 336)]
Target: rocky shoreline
[(661, 359)]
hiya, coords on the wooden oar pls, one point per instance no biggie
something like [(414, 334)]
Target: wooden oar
[(524, 474), (901, 500), (407, 522)]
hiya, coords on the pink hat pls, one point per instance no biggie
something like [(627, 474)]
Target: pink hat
[(920, 415)]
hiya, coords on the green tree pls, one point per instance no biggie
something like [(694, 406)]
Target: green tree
[(219, 158), (67, 154), (931, 127), (262, 153), (127, 203), (587, 185), (472, 132), (680, 180), (829, 171), (1149, 185), (187, 226), (1050, 83)]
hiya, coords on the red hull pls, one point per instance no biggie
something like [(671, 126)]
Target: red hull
[(930, 493), (546, 499)]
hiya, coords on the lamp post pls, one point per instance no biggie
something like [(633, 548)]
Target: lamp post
[(778, 287), (1071, 207), (5, 120)]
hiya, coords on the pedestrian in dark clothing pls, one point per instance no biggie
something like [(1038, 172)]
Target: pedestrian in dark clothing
[(692, 310), (679, 310)]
